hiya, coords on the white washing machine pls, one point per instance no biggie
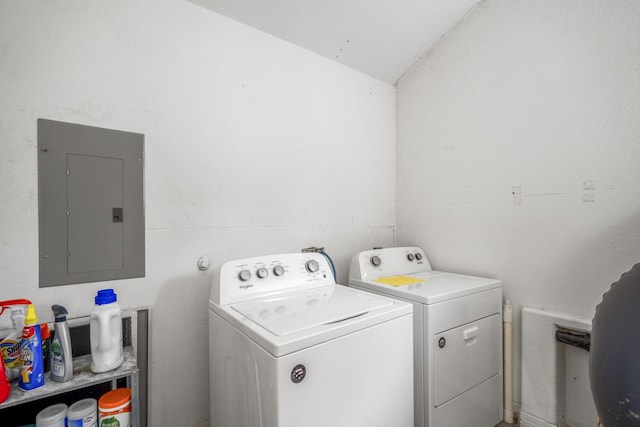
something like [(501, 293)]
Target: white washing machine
[(457, 335), (290, 348)]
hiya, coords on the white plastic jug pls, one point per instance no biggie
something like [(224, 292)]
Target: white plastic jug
[(106, 332)]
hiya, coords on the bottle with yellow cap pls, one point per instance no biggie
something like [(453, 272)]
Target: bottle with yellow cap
[(32, 369)]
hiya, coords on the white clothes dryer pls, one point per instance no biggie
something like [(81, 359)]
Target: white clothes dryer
[(290, 348), (457, 335)]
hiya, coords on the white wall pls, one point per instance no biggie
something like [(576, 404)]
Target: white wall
[(253, 146), (541, 95)]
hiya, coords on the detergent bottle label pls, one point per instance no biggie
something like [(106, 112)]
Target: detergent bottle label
[(26, 353), (10, 353), (110, 422), (57, 359)]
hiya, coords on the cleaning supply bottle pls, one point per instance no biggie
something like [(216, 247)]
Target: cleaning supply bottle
[(10, 345), (31, 372), (105, 329), (5, 386), (61, 356), (46, 346)]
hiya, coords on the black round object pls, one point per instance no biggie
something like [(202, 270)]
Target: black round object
[(298, 373), (614, 365)]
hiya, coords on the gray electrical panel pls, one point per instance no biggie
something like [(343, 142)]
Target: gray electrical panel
[(91, 208)]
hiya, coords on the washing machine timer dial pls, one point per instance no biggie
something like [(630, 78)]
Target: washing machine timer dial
[(376, 261), (262, 272), (312, 266), (244, 275), (411, 257), (278, 270)]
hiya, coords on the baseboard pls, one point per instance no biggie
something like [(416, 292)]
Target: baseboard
[(528, 420)]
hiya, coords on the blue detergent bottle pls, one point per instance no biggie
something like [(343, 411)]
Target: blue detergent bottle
[(32, 369)]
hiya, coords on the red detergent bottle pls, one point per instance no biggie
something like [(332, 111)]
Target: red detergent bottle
[(5, 387)]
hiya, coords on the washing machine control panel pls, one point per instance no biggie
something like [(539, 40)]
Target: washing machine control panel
[(251, 278), (384, 262)]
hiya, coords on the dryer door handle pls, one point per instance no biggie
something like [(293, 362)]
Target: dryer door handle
[(470, 333)]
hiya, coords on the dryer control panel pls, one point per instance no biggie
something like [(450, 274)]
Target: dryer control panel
[(250, 278), (385, 262)]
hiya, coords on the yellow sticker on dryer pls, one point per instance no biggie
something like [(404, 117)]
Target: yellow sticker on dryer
[(399, 280)]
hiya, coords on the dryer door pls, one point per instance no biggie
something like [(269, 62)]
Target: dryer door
[(466, 356)]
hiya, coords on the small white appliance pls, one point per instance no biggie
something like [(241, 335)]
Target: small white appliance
[(457, 335), (288, 347)]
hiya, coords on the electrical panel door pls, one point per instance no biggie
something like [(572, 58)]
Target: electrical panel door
[(91, 210)]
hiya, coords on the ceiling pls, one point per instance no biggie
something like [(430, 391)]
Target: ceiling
[(381, 38)]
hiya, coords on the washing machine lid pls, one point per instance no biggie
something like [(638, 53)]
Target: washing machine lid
[(286, 323), (429, 287), (287, 314)]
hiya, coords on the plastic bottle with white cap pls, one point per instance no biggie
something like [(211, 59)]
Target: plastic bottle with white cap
[(106, 332)]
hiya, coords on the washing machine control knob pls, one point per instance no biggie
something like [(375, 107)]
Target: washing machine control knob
[(278, 270), (418, 256), (262, 272), (410, 257), (244, 275), (312, 266), (376, 261)]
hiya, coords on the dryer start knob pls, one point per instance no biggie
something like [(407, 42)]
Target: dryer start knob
[(376, 261)]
